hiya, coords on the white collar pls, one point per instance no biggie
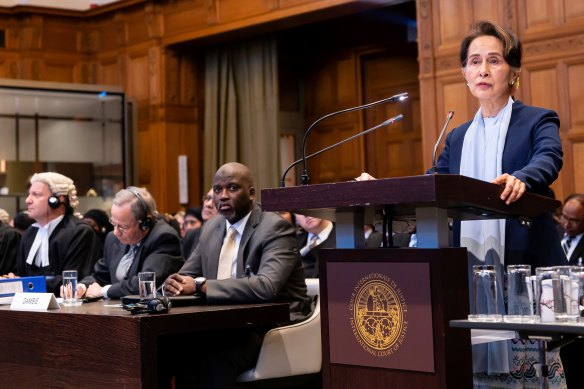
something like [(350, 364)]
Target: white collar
[(41, 241), (322, 235), (239, 225)]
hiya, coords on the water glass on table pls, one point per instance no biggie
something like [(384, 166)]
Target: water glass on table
[(520, 297), (147, 285), (70, 289), (545, 278), (485, 295), (577, 279)]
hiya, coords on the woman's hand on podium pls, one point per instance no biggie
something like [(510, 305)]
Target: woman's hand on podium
[(514, 187), (365, 177)]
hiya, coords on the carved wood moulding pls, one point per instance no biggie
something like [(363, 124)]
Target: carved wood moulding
[(573, 44)]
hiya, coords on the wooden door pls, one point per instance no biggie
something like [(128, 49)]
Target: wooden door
[(392, 151)]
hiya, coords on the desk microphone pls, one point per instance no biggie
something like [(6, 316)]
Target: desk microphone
[(385, 123), (305, 179), (448, 118)]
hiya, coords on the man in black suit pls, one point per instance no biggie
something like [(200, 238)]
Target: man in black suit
[(318, 234), (58, 240), (572, 219), (138, 243), (244, 256)]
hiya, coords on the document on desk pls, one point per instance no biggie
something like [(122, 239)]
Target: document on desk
[(10, 286), (486, 336)]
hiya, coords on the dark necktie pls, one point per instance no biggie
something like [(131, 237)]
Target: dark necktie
[(566, 245)]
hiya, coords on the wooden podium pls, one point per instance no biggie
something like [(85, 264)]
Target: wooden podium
[(385, 312)]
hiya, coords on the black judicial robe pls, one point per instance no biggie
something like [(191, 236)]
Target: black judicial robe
[(9, 241), (73, 245)]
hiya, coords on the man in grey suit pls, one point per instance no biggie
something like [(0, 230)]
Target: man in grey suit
[(138, 243), (264, 266)]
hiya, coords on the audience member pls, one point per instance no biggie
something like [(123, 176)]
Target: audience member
[(139, 242), (99, 221), (180, 219), (4, 217), (373, 238), (244, 256), (170, 220), (22, 221), (317, 234), (286, 215), (572, 220), (58, 240), (193, 219), (209, 211), (9, 241)]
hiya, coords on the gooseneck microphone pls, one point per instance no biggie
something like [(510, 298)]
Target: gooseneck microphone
[(385, 123), (305, 179), (448, 118)]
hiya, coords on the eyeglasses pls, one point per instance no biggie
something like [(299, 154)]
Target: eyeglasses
[(566, 219), (120, 227), (207, 198)]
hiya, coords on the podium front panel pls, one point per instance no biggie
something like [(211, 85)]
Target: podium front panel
[(383, 312), (440, 282)]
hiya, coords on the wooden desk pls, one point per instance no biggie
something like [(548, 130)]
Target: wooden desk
[(101, 346)]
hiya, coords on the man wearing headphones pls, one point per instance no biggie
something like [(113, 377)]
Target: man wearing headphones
[(58, 240), (139, 242)]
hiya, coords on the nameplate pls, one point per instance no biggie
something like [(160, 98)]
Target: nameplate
[(34, 302)]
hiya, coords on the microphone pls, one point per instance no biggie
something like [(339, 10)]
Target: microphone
[(448, 118), (385, 123), (305, 179)]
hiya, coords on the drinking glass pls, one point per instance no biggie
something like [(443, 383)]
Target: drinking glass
[(520, 296), (70, 288), (147, 285), (485, 296)]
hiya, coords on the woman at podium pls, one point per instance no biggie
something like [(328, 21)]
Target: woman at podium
[(516, 146)]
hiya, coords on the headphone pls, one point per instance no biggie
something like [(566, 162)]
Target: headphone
[(146, 223), (159, 305), (54, 202), (155, 305)]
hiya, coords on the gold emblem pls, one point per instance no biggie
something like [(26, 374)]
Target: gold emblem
[(379, 312)]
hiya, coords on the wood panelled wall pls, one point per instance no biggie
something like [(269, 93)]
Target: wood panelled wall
[(136, 44), (552, 33), (152, 50)]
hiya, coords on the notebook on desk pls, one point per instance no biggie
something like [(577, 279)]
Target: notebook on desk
[(177, 301), (9, 286)]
